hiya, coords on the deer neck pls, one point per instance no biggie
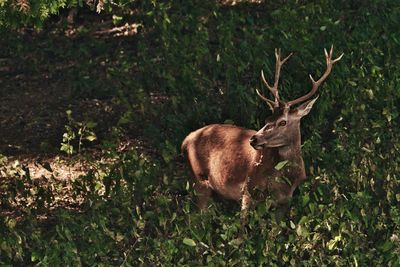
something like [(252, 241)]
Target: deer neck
[(292, 150)]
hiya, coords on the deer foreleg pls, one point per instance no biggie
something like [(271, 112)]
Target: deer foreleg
[(246, 202)]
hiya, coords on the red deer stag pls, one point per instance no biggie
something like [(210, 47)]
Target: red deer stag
[(233, 161)]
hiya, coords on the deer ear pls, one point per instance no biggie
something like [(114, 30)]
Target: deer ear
[(305, 108)]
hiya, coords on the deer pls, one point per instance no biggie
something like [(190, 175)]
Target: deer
[(236, 162)]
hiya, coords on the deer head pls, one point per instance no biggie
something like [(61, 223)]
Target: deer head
[(282, 128)]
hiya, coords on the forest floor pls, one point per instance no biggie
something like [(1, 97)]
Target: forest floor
[(44, 74)]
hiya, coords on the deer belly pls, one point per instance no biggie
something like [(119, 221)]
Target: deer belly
[(227, 191)]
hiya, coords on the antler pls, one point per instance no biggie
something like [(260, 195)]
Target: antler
[(316, 84), (274, 88)]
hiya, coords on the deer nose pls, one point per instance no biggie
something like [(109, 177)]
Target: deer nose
[(253, 140)]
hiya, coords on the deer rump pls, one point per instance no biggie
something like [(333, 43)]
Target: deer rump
[(221, 158)]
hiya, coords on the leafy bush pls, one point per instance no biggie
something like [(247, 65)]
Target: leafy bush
[(14, 14)]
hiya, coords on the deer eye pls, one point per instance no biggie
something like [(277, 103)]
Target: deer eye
[(282, 123)]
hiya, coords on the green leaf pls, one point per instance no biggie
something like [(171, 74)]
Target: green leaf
[(91, 138), (91, 124), (303, 220), (34, 256), (355, 261), (352, 83), (189, 242), (305, 199), (236, 242), (386, 246), (280, 165), (11, 223), (299, 230), (119, 237), (332, 243), (187, 186), (229, 122)]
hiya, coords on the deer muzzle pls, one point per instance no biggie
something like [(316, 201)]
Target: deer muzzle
[(254, 142)]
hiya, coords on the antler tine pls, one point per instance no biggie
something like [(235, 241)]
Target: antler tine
[(278, 66), (331, 54), (286, 58), (316, 84), (270, 103), (274, 88), (265, 81)]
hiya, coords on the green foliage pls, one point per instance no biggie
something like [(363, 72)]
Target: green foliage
[(198, 63), (21, 12), (77, 132), (17, 13)]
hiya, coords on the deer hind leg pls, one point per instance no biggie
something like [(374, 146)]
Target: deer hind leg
[(203, 192), (201, 184), (201, 187)]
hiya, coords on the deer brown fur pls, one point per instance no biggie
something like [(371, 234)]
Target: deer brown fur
[(234, 161)]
